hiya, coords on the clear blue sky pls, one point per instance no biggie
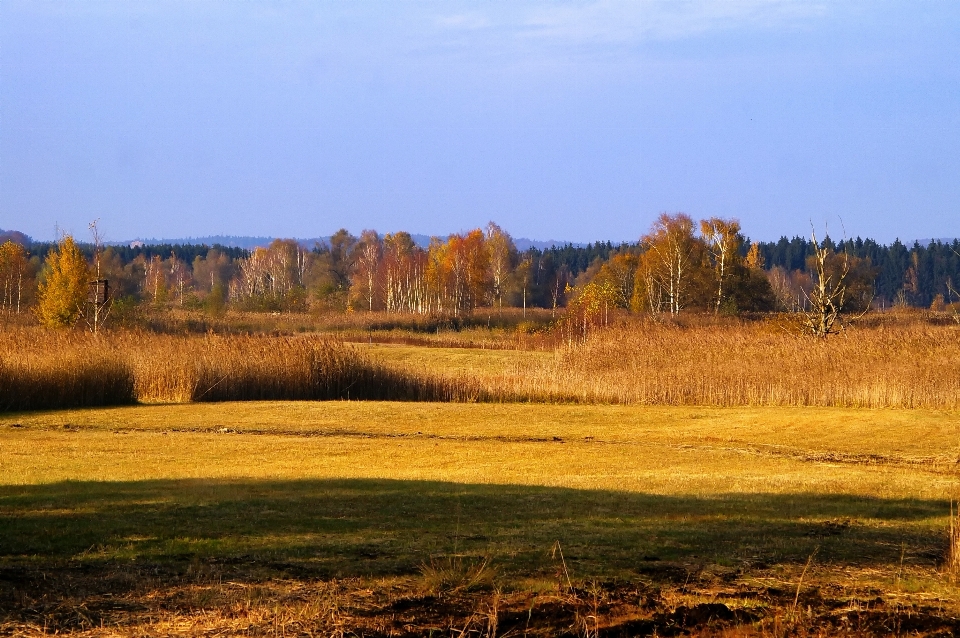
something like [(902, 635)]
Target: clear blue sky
[(576, 121)]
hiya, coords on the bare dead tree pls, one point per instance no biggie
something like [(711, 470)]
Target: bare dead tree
[(828, 294), (99, 297), (956, 307)]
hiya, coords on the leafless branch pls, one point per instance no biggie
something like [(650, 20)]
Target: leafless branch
[(828, 294)]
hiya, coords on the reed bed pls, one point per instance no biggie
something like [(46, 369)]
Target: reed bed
[(60, 370), (261, 368), (890, 365), (40, 369), (903, 365), (487, 328)]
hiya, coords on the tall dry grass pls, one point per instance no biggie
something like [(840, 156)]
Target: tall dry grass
[(487, 328), (262, 367), (41, 369), (899, 364), (895, 364)]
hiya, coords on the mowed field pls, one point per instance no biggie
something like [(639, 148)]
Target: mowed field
[(385, 518)]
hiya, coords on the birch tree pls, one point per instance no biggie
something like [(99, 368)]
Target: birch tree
[(13, 270), (669, 259), (723, 241), (401, 272), (366, 276), (502, 257)]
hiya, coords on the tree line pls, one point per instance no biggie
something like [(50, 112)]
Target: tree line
[(917, 275), (679, 265)]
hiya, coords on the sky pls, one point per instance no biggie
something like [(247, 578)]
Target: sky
[(574, 121)]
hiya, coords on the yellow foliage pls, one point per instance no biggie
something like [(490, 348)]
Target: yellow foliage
[(13, 269), (63, 291)]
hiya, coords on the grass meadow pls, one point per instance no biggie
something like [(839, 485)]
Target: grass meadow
[(727, 478)]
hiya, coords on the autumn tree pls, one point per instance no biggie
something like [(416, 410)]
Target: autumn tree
[(213, 270), (672, 255), (860, 279), (722, 238), (481, 281), (340, 262), (63, 289), (366, 279), (403, 273), (272, 278), (619, 273), (503, 256), (125, 278), (470, 258), (285, 269), (180, 279), (522, 275), (155, 280), (98, 301), (13, 272), (211, 275), (558, 288), (748, 287), (437, 275), (589, 308)]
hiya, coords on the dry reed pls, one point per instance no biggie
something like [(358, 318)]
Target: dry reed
[(43, 370), (488, 328), (48, 370), (908, 365), (257, 368), (896, 365)]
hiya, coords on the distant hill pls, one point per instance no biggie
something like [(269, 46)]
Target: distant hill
[(230, 241), (16, 237), (248, 242)]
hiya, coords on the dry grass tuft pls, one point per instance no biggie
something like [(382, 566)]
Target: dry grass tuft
[(453, 574), (245, 368)]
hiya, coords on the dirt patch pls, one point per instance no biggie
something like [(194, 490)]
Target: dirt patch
[(218, 599)]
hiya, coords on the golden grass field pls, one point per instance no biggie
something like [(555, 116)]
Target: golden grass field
[(706, 477), (344, 514)]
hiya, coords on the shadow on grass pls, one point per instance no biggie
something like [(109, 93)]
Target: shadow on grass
[(344, 528)]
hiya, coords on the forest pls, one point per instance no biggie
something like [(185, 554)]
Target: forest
[(679, 265)]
